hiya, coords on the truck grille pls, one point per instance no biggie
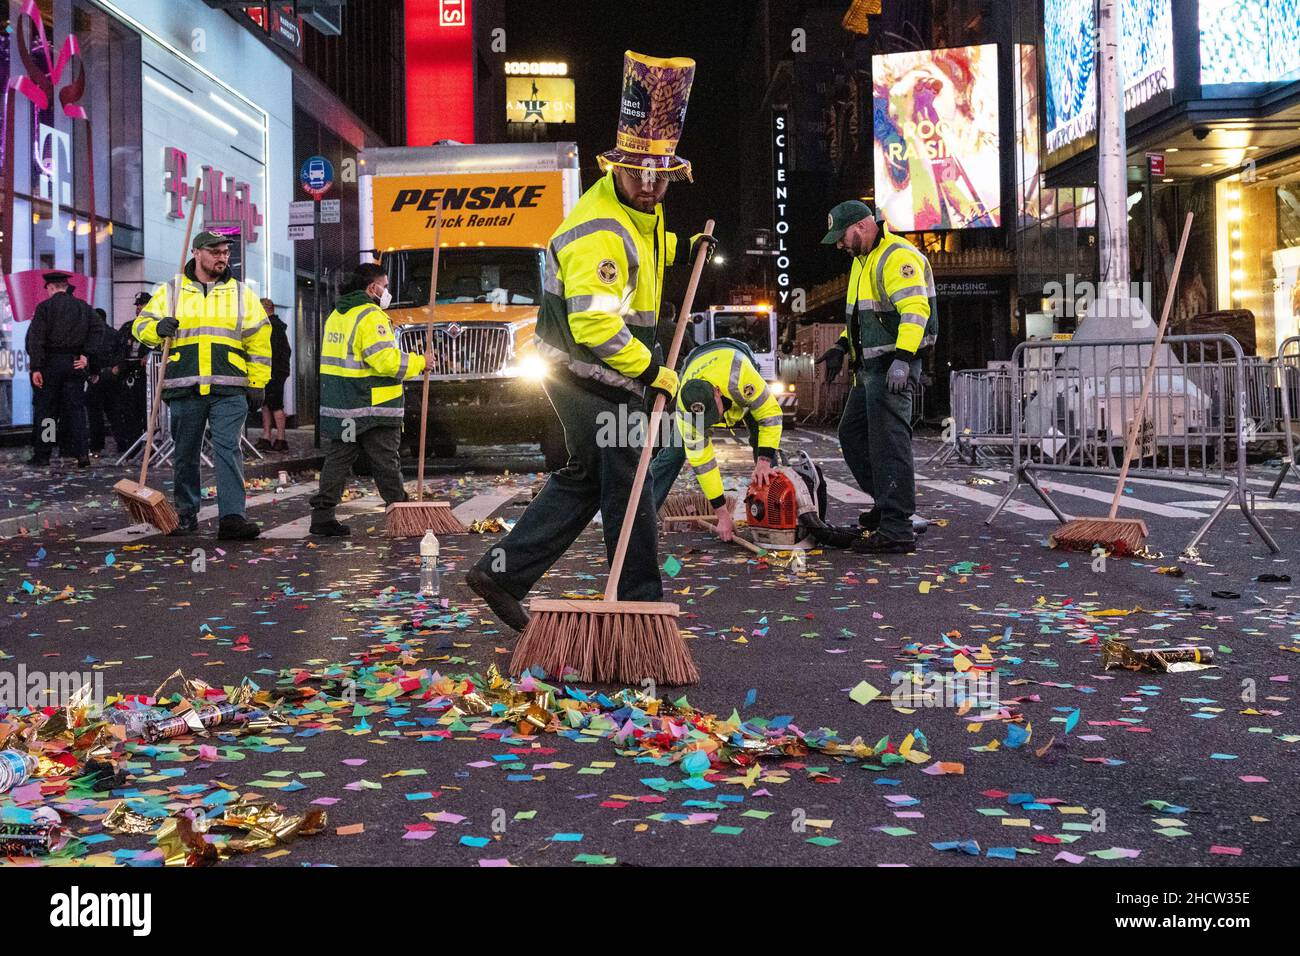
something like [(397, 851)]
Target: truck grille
[(462, 351)]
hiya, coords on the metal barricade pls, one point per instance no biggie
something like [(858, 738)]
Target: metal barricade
[(162, 441), (1072, 417), (1288, 390), (981, 416)]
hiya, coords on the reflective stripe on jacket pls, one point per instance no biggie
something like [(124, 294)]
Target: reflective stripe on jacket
[(890, 300), (604, 276), (744, 392), (224, 340), (362, 371)]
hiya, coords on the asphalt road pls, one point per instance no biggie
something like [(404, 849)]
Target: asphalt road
[(1219, 746)]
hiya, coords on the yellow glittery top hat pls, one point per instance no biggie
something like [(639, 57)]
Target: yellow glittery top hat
[(651, 115)]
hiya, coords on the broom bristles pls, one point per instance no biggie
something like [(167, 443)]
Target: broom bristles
[(1119, 536), (411, 519), (606, 641), (685, 504), (146, 506)]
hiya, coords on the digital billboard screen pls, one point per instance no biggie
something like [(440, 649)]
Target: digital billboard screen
[(1249, 41), (936, 138), (1146, 61)]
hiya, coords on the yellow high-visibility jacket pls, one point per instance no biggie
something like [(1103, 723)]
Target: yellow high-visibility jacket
[(744, 392), (891, 302), (223, 344), (603, 282), (362, 369)]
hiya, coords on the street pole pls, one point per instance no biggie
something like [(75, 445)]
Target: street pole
[(316, 307), (1149, 253), (1112, 173)]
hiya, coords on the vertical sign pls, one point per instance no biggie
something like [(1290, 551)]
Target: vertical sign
[(439, 71), (781, 203)]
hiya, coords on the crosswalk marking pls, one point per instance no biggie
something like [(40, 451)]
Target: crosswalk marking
[(1033, 512), (1051, 485), (485, 505), (299, 528), (845, 493), (1259, 505), (137, 532)]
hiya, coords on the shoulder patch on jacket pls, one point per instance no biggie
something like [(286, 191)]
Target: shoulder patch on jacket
[(907, 270), (607, 271), (748, 390)]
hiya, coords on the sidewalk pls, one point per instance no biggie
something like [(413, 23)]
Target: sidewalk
[(32, 498)]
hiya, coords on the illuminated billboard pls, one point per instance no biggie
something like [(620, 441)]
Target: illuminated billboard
[(936, 138), (1249, 41), (540, 99), (1146, 62)]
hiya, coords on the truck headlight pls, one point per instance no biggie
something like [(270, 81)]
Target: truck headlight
[(531, 367)]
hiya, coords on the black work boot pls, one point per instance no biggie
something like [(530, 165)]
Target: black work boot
[(188, 524), (879, 544), (330, 528), (237, 528), (503, 605)]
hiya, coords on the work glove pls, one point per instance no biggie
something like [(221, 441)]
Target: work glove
[(896, 378), (660, 378), (834, 359), (256, 398), (167, 327), (710, 241)]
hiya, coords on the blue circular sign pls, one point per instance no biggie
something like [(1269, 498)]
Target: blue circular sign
[(316, 176)]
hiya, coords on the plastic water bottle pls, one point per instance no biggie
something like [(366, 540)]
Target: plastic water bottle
[(133, 720), (430, 585), (16, 767)]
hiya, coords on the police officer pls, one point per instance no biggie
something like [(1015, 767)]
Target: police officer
[(720, 383), (602, 290), (130, 369), (361, 403), (890, 316), (101, 386), (57, 344), (219, 365)]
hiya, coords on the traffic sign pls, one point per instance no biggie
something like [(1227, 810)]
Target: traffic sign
[(1156, 162), (302, 232), (316, 176), (330, 210), (302, 213)]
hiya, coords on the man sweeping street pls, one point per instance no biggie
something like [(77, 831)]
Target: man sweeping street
[(720, 384), (890, 316), (361, 405), (602, 290), (218, 368)]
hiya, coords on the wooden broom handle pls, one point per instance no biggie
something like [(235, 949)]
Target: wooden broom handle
[(428, 348), (735, 538), (643, 466), (156, 405), (1130, 445)]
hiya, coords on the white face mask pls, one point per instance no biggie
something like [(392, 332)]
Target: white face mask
[(385, 299)]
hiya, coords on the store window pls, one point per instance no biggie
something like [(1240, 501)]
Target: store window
[(1259, 266)]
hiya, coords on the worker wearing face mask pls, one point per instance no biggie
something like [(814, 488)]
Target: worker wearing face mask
[(361, 405)]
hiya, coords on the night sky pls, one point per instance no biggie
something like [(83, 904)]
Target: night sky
[(591, 38)]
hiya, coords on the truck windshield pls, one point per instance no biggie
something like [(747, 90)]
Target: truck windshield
[(504, 276), (752, 328)]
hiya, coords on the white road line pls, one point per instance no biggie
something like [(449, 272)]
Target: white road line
[(485, 505), (1033, 512), (299, 528), (137, 532), (846, 494), (1260, 505), (1050, 485)]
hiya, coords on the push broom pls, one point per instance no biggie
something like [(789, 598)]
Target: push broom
[(613, 640), (411, 519), (1124, 535), (144, 504)]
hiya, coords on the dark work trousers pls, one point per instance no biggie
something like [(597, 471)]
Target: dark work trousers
[(225, 414), (876, 440), (381, 445), (602, 465), (130, 414), (63, 399), (668, 461), (101, 405)]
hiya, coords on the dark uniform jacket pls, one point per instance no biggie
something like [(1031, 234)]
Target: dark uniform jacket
[(279, 348), (61, 325)]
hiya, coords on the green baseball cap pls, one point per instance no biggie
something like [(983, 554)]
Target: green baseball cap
[(843, 216), (206, 240), (696, 398)]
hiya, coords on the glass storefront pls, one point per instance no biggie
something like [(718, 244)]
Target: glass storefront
[(1258, 250)]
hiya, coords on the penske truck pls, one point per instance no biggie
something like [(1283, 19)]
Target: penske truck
[(756, 326), (501, 203)]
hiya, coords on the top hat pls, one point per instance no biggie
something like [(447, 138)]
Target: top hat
[(651, 115)]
